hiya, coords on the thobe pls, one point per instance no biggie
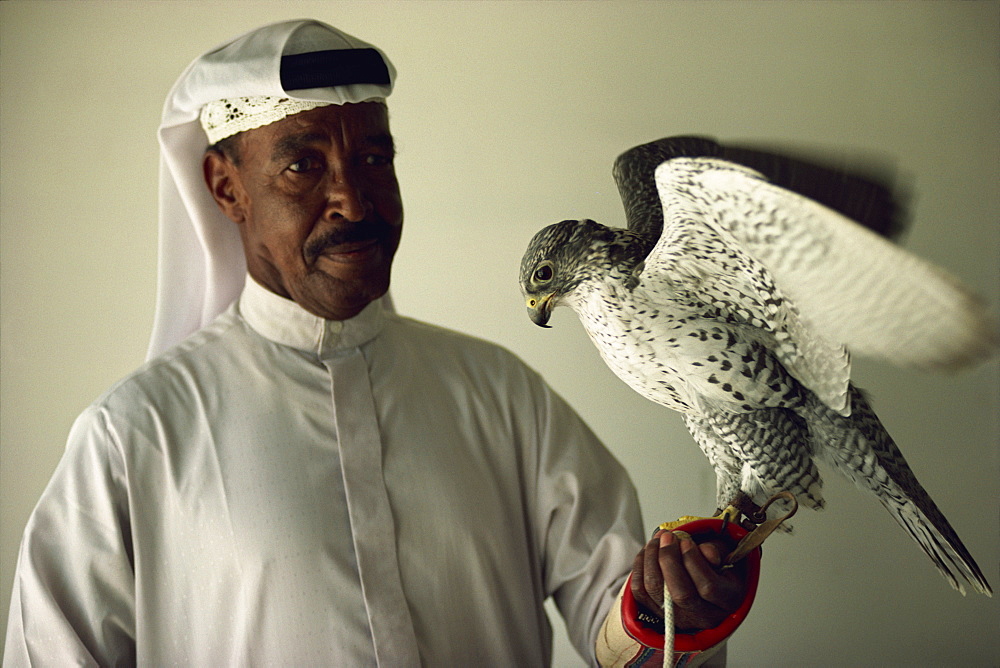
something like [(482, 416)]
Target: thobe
[(284, 490)]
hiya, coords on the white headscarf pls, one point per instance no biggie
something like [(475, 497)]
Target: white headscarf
[(201, 264)]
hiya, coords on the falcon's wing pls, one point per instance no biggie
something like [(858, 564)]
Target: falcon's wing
[(702, 264), (860, 190), (851, 285), (634, 173)]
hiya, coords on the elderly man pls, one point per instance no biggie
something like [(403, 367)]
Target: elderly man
[(299, 476)]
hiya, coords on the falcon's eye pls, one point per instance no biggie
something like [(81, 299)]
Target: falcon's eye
[(543, 273)]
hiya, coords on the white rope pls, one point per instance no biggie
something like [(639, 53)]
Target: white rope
[(668, 626)]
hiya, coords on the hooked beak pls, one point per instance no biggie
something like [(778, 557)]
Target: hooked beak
[(539, 310)]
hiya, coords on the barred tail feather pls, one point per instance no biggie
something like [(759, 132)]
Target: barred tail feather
[(862, 449), (942, 545)]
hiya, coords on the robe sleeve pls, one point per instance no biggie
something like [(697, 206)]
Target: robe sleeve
[(587, 520), (589, 516), (73, 601)]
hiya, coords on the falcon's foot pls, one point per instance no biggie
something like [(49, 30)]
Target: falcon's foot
[(728, 514), (742, 505)]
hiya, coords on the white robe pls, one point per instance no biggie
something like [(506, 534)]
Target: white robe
[(284, 490)]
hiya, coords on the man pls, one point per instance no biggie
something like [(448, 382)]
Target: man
[(298, 476)]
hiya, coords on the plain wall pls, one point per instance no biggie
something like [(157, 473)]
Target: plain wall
[(508, 116)]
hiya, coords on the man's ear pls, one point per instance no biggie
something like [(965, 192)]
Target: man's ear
[(222, 179)]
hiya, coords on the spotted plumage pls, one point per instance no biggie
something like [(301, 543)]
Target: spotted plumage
[(734, 300)]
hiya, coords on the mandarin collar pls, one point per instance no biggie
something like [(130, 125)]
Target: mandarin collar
[(283, 321)]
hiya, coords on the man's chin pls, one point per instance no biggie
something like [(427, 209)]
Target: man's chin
[(340, 299)]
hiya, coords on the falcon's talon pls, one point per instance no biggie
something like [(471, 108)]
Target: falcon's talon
[(729, 514), (725, 523)]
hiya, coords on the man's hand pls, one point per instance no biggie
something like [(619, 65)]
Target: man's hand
[(702, 594)]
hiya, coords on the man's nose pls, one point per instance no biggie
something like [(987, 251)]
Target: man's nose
[(347, 199)]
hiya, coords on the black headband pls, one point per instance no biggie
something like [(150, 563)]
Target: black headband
[(337, 67)]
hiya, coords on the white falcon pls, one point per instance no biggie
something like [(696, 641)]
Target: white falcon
[(734, 298)]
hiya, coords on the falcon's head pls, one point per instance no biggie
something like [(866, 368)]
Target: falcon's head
[(558, 259)]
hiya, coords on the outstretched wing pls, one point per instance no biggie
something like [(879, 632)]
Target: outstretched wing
[(860, 190), (847, 283), (702, 264), (634, 173)]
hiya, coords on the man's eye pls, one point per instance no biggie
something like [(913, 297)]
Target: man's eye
[(303, 165), (376, 160)]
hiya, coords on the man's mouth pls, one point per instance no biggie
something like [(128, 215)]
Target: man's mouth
[(348, 244), (352, 251)]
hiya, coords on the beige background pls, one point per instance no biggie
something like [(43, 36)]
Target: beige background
[(508, 116)]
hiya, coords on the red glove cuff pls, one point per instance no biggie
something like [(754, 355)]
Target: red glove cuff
[(701, 640)]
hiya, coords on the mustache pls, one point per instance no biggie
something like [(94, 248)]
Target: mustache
[(375, 229)]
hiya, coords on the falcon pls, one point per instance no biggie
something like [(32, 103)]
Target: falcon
[(744, 280)]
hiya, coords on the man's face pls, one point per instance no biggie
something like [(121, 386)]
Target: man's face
[(318, 206)]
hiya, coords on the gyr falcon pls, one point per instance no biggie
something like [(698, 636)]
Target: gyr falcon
[(734, 297)]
